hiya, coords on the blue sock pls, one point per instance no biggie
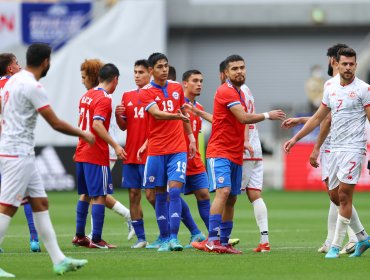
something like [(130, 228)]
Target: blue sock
[(161, 213), (225, 232), (214, 226), (81, 214), (97, 213), (139, 229), (187, 218), (203, 208), (31, 226), (175, 211)]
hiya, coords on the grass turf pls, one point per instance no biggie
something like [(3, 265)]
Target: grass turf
[(297, 223)]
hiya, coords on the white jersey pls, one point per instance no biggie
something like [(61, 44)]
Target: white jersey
[(348, 114), (325, 147), (22, 98), (254, 139)]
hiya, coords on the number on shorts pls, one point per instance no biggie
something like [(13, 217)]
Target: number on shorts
[(179, 165)]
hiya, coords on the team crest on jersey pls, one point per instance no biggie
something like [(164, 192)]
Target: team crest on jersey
[(221, 179), (151, 179), (175, 95), (352, 95)]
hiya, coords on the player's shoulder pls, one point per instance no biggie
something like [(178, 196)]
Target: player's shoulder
[(147, 87), (199, 106), (332, 81), (128, 93), (174, 85), (362, 84)]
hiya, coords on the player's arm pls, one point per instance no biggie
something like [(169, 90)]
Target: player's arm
[(367, 111), (190, 135), (324, 132), (59, 125), (142, 149), (120, 118), (203, 114), (247, 118), (100, 130), (247, 145), (161, 115), (292, 122), (310, 125)]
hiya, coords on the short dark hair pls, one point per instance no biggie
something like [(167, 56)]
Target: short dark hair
[(154, 57), (222, 66), (232, 58), (171, 73), (333, 50), (108, 72), (37, 53), (5, 60), (142, 62), (347, 52), (187, 74)]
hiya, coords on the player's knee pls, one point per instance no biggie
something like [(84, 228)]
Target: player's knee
[(175, 193)]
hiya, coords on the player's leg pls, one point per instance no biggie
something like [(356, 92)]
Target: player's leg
[(201, 193), (34, 239)]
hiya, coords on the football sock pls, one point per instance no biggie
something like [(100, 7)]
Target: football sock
[(187, 218), (175, 210), (122, 210), (82, 210), (260, 213), (356, 226), (225, 232), (47, 235), (161, 213), (332, 223), (340, 231), (351, 234), (203, 208), (214, 226), (31, 226), (97, 212), (4, 224), (139, 229)]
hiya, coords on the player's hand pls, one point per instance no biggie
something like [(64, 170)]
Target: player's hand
[(88, 137), (192, 150), (191, 108), (289, 123), (120, 110), (141, 151), (289, 144), (249, 148), (277, 115), (74, 157), (313, 158), (182, 117), (120, 152)]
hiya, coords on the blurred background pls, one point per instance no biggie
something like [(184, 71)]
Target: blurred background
[(283, 42)]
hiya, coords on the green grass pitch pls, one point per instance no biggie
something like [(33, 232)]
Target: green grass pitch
[(297, 223)]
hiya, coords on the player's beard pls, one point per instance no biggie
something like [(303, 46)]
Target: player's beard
[(238, 81), (45, 71), (330, 70)]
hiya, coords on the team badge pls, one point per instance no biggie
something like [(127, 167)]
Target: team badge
[(221, 179), (110, 186), (151, 179), (175, 95), (352, 95)]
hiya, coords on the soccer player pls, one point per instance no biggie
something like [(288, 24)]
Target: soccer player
[(92, 161), (90, 78), (322, 148), (225, 152), (131, 116), (167, 151), (252, 174), (348, 99), (8, 67), (23, 99), (171, 73)]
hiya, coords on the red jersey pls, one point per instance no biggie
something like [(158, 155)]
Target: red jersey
[(137, 126), (96, 104), (165, 136), (227, 137), (195, 165), (3, 81)]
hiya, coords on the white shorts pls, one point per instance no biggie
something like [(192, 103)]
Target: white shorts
[(252, 177), (19, 178), (325, 159), (345, 167)]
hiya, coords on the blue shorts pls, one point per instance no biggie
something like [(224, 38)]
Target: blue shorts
[(195, 182), (93, 179), (222, 173), (132, 176), (161, 169)]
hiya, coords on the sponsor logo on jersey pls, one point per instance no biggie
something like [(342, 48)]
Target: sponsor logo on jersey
[(157, 98), (221, 179), (175, 95), (130, 104)]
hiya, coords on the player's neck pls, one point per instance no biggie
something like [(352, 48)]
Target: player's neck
[(160, 82), (35, 71), (189, 96)]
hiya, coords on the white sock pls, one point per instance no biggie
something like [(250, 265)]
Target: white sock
[(260, 213), (332, 222), (120, 209), (357, 228), (340, 231), (4, 224), (47, 235)]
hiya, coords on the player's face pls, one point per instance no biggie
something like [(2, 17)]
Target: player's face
[(347, 67), (141, 75), (194, 84), (14, 67), (236, 72), (160, 70), (85, 80)]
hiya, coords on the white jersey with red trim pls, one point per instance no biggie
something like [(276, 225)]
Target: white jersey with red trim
[(22, 98), (347, 104), (254, 138)]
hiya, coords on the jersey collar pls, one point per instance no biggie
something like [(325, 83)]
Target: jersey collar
[(187, 100), (99, 88), (163, 89)]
